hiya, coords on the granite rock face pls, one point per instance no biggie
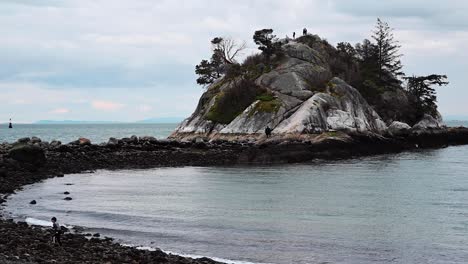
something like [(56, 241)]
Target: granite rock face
[(341, 108), (428, 122), (399, 128), (304, 97)]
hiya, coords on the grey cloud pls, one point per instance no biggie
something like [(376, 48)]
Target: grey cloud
[(449, 14), (138, 45)]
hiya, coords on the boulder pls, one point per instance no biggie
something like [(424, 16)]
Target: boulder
[(84, 142), (427, 123), (35, 140), (134, 139), (55, 143), (149, 139), (399, 128), (31, 154), (33, 202), (67, 198), (113, 141), (24, 140)]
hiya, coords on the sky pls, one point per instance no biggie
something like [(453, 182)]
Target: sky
[(127, 60)]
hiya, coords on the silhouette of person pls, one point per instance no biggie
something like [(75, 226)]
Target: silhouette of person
[(304, 31), (10, 125), (56, 231), (268, 131), (294, 35)]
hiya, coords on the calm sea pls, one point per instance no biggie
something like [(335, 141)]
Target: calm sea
[(97, 133), (406, 208)]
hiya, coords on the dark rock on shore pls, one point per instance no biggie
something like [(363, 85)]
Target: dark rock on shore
[(68, 198), (26, 153), (33, 202), (22, 244)]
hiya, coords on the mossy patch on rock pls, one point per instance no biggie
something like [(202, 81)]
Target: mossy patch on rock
[(233, 100), (271, 106)]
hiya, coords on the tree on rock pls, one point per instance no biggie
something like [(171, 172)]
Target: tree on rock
[(267, 42), (346, 50), (225, 51), (422, 93), (388, 58), (208, 72)]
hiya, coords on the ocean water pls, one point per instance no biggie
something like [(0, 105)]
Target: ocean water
[(97, 133), (402, 208)]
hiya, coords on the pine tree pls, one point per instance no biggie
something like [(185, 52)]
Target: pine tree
[(388, 58), (423, 94), (267, 42), (225, 51)]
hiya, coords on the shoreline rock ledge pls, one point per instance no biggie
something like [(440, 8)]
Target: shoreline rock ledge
[(299, 95)]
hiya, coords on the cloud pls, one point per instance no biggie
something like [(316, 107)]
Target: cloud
[(106, 105), (70, 53), (60, 111), (141, 39), (145, 108)]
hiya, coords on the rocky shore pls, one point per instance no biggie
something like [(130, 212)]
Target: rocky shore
[(30, 160)]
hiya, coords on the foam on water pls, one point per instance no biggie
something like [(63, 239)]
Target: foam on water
[(38, 222), (227, 261)]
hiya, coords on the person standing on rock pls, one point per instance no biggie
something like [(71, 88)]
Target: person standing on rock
[(56, 231), (10, 125), (294, 35), (304, 31), (268, 131)]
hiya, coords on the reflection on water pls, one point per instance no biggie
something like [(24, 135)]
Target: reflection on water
[(405, 208)]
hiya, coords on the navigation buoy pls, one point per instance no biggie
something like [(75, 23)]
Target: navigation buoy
[(10, 125)]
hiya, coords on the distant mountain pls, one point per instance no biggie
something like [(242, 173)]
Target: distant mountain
[(162, 120), (71, 122), (156, 120)]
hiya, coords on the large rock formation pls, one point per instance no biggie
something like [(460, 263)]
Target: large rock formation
[(297, 94)]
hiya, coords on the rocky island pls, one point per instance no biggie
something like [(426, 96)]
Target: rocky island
[(304, 88), (321, 102)]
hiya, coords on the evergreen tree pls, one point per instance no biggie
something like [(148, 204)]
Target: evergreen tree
[(422, 93), (267, 42), (225, 51), (208, 72), (388, 58)]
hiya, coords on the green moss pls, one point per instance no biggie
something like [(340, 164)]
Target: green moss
[(233, 100), (271, 106), (332, 134), (215, 87), (266, 97), (215, 114)]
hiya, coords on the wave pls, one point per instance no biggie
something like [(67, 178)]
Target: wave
[(39, 222), (43, 223), (227, 261)]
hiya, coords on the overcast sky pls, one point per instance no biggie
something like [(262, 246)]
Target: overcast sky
[(126, 60)]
